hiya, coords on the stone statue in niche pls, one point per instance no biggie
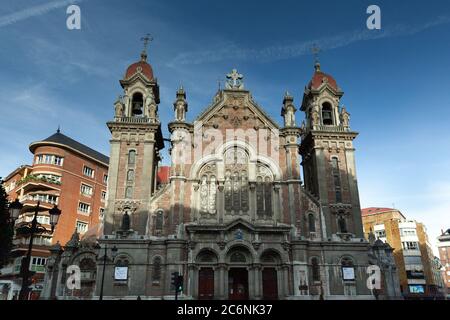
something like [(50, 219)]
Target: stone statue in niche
[(289, 120), (126, 102), (315, 118), (180, 111), (119, 108), (125, 222), (344, 117), (150, 105)]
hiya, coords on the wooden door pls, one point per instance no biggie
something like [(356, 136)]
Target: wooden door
[(270, 284), (206, 284), (238, 284)]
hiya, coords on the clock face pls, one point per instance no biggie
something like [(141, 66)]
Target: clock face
[(121, 273)]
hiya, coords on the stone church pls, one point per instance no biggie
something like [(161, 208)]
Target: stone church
[(235, 219)]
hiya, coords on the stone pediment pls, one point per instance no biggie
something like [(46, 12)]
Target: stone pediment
[(235, 109), (238, 223)]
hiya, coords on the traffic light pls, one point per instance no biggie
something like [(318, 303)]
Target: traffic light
[(179, 286), (174, 281)]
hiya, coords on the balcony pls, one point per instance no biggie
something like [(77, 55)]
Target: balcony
[(33, 182), (47, 201), (411, 252)]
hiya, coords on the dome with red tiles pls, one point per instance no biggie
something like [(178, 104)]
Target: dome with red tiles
[(320, 77), (140, 67)]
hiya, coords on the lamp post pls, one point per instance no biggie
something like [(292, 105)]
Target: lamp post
[(105, 257), (14, 211)]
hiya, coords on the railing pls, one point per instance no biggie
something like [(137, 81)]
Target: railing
[(87, 275), (37, 179), (37, 268), (42, 198), (135, 120), (333, 128)]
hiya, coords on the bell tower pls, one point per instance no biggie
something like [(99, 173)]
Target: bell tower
[(136, 139), (328, 157)]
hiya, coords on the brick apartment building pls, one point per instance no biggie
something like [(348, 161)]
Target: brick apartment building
[(418, 272), (444, 256), (64, 172)]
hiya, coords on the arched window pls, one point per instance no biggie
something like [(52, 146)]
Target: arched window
[(130, 175), (207, 257), (336, 179), (129, 192), (342, 224), (156, 276), (263, 191), (270, 257), (238, 257), (315, 269), (236, 180), (132, 157), (137, 104), (327, 114), (208, 192), (311, 223), (159, 220)]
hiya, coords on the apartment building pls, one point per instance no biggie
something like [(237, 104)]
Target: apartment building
[(418, 272), (63, 172)]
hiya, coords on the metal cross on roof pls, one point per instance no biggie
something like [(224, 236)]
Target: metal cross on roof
[(315, 51), (146, 40)]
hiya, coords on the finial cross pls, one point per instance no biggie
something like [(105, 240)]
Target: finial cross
[(315, 51), (146, 41), (235, 80)]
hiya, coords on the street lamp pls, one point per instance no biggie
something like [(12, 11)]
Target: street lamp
[(14, 211), (54, 216), (105, 257)]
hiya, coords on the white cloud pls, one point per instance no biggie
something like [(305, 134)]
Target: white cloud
[(279, 52), (36, 112)]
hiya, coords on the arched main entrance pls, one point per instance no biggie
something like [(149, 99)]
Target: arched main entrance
[(206, 283), (206, 259), (271, 261), (238, 285)]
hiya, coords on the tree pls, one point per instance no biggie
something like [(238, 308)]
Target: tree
[(6, 230)]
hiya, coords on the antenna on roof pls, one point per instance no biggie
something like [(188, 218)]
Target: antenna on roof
[(59, 129)]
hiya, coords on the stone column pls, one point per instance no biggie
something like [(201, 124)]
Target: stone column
[(258, 282), (220, 203), (222, 293), (285, 272), (252, 200), (226, 289), (191, 280)]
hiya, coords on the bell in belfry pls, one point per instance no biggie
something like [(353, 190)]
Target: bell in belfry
[(137, 108)]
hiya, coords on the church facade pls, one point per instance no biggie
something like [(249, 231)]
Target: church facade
[(236, 220)]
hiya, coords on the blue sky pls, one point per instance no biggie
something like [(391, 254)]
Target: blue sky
[(396, 80)]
